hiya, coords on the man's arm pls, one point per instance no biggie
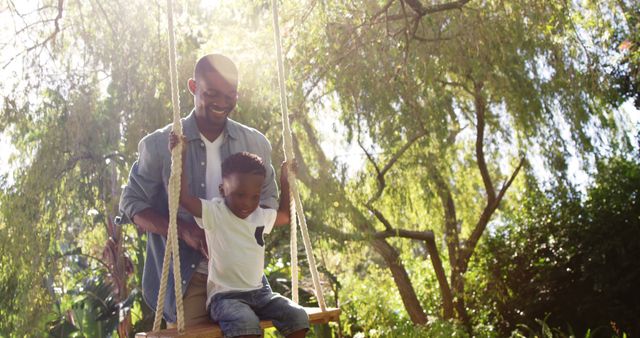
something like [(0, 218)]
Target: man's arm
[(188, 201), (189, 232), (269, 194), (144, 186), (145, 183), (284, 211)]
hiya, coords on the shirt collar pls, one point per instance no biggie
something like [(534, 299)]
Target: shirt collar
[(190, 128), (191, 132)]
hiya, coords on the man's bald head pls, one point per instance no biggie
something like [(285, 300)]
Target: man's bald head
[(217, 63)]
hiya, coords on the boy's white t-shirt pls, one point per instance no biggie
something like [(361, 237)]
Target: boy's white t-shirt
[(236, 246)]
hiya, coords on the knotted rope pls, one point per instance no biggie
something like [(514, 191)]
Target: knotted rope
[(171, 248), (297, 203)]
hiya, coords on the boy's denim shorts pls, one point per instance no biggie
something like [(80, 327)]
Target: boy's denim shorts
[(239, 313)]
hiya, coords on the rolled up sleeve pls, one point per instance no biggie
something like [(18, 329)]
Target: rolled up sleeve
[(269, 194)]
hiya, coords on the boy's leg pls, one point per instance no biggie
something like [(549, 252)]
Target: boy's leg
[(194, 302), (234, 315), (288, 317)]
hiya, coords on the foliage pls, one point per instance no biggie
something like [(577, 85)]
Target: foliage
[(446, 108), (93, 312), (443, 105), (627, 42), (102, 87), (542, 329), (570, 260)]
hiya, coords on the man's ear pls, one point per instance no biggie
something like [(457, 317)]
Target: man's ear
[(191, 83), (221, 190)]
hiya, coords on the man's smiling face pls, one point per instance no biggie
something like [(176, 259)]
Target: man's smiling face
[(214, 97)]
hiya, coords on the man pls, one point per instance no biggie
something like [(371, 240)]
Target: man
[(211, 137)]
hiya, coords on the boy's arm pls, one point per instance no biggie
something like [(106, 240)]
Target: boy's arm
[(187, 201), (284, 216)]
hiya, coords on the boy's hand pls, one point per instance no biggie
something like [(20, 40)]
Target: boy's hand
[(174, 140)]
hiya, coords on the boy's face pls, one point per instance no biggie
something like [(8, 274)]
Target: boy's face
[(241, 193)]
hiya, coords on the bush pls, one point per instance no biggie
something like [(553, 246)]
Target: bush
[(569, 259)]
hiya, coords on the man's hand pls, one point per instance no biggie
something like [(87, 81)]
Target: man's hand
[(283, 216), (191, 233), (194, 236), (174, 140), (284, 171)]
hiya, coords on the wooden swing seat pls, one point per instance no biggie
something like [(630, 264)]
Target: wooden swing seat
[(316, 316)]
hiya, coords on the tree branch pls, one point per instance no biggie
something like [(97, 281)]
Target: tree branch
[(402, 280), (381, 173), (417, 235), (429, 239), (471, 243), (480, 106), (445, 289), (51, 36), (449, 207), (456, 84), (384, 9), (422, 11), (402, 150), (507, 184)]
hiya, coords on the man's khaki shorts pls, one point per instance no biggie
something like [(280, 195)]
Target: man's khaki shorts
[(194, 302)]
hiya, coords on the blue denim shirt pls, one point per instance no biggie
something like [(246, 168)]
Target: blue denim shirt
[(147, 188)]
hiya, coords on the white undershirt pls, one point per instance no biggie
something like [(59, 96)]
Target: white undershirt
[(213, 171), (212, 177)]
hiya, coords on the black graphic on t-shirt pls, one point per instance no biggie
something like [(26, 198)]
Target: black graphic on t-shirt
[(260, 235)]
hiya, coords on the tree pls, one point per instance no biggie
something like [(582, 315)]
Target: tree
[(445, 101)]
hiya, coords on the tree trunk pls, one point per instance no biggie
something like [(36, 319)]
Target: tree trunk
[(401, 278), (457, 285), (445, 290)]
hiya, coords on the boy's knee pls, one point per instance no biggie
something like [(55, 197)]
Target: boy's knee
[(235, 318), (291, 311), (294, 319), (230, 310), (298, 314)]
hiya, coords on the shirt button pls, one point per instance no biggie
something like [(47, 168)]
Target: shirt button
[(193, 266), (202, 163), (202, 185), (202, 144), (184, 282)]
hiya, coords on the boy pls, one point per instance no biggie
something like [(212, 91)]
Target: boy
[(234, 226)]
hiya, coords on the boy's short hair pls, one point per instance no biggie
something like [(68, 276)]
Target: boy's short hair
[(243, 163)]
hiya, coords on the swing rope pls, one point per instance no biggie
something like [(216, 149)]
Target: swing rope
[(289, 154), (174, 193)]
